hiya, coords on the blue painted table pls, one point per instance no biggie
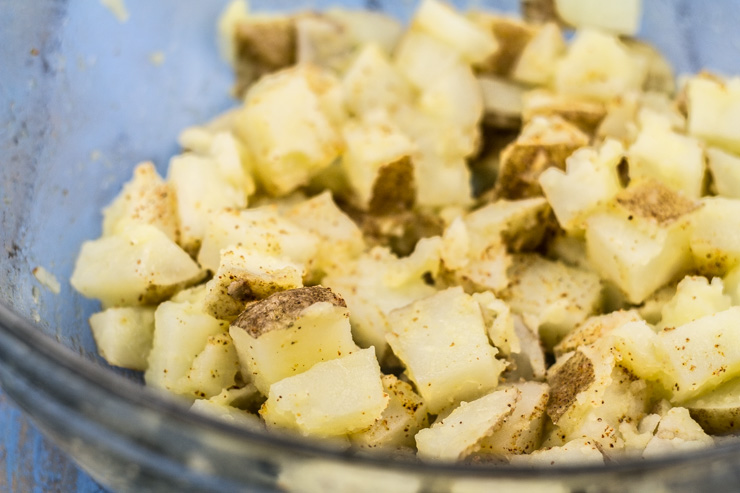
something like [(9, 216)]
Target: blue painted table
[(31, 463)]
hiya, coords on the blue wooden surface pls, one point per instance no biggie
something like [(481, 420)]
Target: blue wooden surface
[(29, 463)]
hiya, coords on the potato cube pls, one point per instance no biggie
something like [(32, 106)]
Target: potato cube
[(552, 297), (367, 27), (289, 332), (590, 179), (246, 275), (333, 398), (593, 329), (641, 243), (714, 112), (580, 451), (617, 17), (405, 415), (715, 235), (215, 368), (677, 431), (261, 229), (470, 41), (674, 159), (599, 66), (586, 114), (694, 299), (181, 333), (538, 61), (124, 335), (288, 129), (422, 59), (725, 169), (512, 35), (146, 199), (718, 410), (138, 266), (460, 433), (442, 341), (521, 432)]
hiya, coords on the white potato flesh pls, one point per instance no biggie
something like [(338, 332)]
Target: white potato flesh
[(455, 97), (695, 298), (199, 189), (423, 59), (234, 13), (215, 368), (441, 183), (521, 432), (676, 432), (368, 27), (371, 146), (500, 323), (340, 239), (181, 332), (715, 235), (725, 169), (580, 451), (233, 160), (674, 159), (640, 352), (598, 66), (551, 297), (714, 112), (333, 398), (443, 343), (538, 61), (319, 333), (138, 266), (124, 335), (288, 129), (261, 229), (228, 414), (702, 354), (590, 179), (470, 41), (638, 260), (401, 420), (371, 83), (460, 433), (621, 17), (146, 199), (245, 275), (595, 328)]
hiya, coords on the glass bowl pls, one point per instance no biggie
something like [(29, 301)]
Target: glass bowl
[(83, 98)]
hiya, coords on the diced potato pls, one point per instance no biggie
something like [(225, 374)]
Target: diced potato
[(372, 149), (715, 235), (379, 282), (538, 61), (323, 476), (714, 112), (405, 415), (322, 42), (460, 433), (141, 265), (333, 398), (519, 223), (638, 348), (422, 59), (372, 83), (146, 199), (621, 17), (702, 354), (694, 299), (289, 332), (502, 102), (340, 239), (586, 114), (660, 76), (551, 296), (521, 432), (246, 275), (200, 189), (236, 12), (529, 363), (215, 368), (677, 432), (543, 142), (499, 323), (642, 243), (593, 329), (718, 411), (471, 42), (442, 341), (228, 414), (590, 179), (674, 159), (181, 333), (289, 129), (599, 66), (725, 169), (368, 27), (579, 451), (261, 229), (511, 34), (124, 335)]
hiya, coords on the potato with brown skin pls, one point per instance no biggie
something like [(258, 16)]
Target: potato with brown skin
[(512, 36), (718, 411)]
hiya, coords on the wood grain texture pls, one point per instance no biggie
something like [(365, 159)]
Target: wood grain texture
[(31, 463)]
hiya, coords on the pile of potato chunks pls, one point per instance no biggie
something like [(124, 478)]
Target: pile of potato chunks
[(469, 240)]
